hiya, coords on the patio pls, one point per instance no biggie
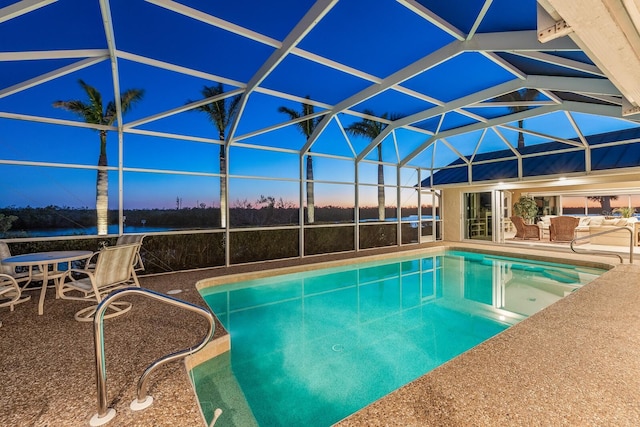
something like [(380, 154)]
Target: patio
[(571, 363), (297, 134)]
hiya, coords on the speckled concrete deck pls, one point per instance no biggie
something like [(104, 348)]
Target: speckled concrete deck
[(575, 363)]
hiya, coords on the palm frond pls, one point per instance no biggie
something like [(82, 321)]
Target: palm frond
[(92, 111), (220, 112), (367, 128), (95, 98), (306, 127), (293, 114), (81, 109), (129, 98)]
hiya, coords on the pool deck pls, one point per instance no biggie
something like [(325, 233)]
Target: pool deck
[(576, 362)]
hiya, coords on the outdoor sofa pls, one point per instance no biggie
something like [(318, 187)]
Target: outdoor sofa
[(589, 225)]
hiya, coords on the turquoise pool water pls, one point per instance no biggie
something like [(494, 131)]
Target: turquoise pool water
[(311, 348)]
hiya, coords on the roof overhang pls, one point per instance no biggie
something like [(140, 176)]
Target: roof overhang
[(607, 31)]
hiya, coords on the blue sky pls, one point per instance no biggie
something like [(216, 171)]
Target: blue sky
[(366, 41)]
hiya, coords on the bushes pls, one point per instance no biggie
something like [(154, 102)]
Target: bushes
[(259, 245), (323, 240)]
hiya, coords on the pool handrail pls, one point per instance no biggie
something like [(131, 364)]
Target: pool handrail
[(600, 233), (142, 401)]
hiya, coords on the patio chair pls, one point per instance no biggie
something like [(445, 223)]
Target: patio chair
[(133, 238), (22, 278), (525, 231), (563, 228), (113, 270), (10, 292), (125, 239)]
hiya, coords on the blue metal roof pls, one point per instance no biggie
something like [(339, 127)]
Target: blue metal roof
[(555, 160)]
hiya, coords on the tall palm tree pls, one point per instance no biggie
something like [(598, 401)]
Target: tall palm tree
[(522, 95), (221, 113), (371, 129), (93, 112), (307, 127)]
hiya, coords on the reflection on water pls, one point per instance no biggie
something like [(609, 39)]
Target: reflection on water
[(85, 231), (313, 347)]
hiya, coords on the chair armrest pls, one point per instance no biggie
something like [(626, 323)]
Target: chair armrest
[(81, 271)]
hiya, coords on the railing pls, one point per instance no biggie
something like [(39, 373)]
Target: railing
[(142, 401), (614, 230)]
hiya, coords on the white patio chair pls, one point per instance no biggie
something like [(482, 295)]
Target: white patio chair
[(113, 270), (126, 239), (23, 278), (10, 292)]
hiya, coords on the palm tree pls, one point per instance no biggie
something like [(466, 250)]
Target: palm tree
[(221, 113), (371, 129), (93, 112), (605, 202), (523, 95), (307, 127)]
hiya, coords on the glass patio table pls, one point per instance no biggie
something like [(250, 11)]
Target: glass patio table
[(43, 260)]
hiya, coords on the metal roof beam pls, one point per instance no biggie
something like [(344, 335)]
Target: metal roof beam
[(427, 62), (79, 65), (506, 65), (52, 54), (482, 95), (541, 135), (426, 14), (512, 41), (105, 10), (177, 68), (22, 7), (476, 126), (215, 21), (562, 62), (479, 18), (183, 108), (302, 28), (255, 36), (596, 109), (573, 84)]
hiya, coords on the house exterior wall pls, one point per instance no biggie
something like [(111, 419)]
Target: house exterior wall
[(452, 197)]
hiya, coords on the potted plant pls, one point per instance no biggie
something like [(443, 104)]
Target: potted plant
[(526, 208), (625, 212)]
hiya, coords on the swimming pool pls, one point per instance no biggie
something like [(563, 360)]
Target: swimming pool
[(311, 348)]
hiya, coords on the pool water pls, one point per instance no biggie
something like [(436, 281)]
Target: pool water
[(312, 348)]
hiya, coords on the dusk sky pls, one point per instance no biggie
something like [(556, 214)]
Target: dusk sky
[(33, 153)]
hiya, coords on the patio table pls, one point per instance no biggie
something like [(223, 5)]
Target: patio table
[(43, 260)]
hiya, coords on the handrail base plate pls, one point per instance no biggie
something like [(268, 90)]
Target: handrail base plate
[(137, 405), (97, 420)]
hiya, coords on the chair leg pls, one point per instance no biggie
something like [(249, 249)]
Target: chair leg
[(19, 301), (115, 309)]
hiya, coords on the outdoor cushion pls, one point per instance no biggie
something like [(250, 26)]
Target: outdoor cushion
[(596, 222)]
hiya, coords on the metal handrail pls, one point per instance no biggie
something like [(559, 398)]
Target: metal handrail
[(600, 233), (105, 414)]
